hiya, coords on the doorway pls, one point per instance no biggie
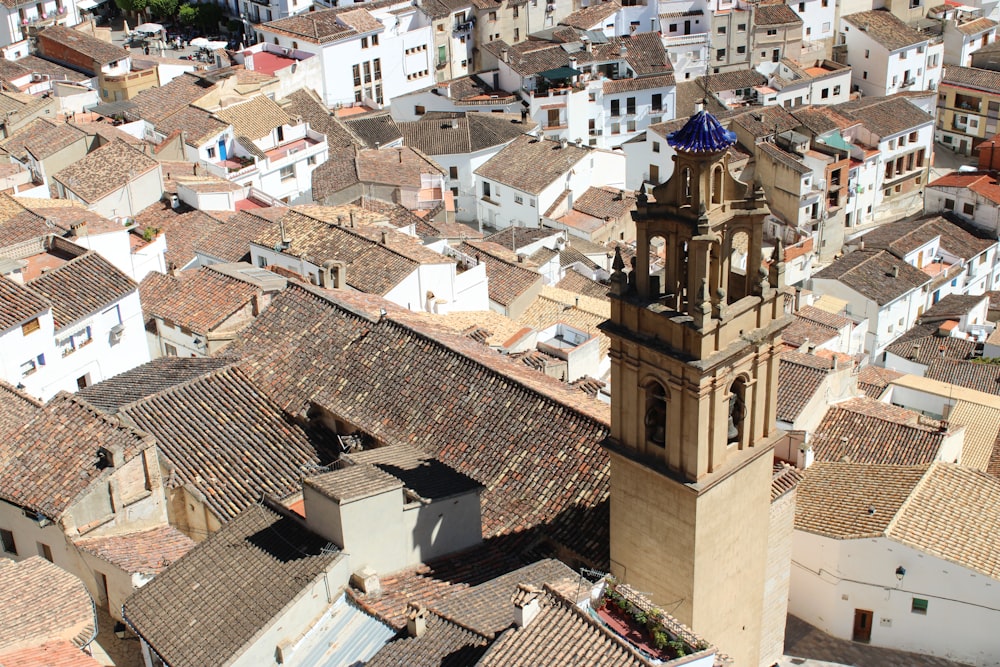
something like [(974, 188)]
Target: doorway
[(862, 625)]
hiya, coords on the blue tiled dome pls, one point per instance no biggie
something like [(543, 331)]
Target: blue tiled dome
[(701, 134)]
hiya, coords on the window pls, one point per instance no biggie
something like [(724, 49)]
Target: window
[(630, 106), (368, 71), (452, 172), (364, 42), (656, 146), (517, 11), (772, 32), (616, 108), (419, 110), (616, 128), (7, 541), (968, 209), (517, 33), (30, 326), (918, 606), (28, 367), (631, 126), (721, 30), (170, 350), (913, 137), (742, 27), (493, 16), (377, 64), (211, 152), (802, 6), (486, 189), (741, 50), (657, 103), (374, 41), (776, 55), (357, 75), (311, 160), (864, 75), (518, 199), (280, 132), (45, 551), (836, 90), (720, 54), (825, 93), (287, 173)]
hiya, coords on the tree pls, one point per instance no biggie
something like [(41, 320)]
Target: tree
[(209, 15), (187, 14), (132, 6), (163, 8)]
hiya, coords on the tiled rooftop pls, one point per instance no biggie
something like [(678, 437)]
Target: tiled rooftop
[(530, 165), (98, 50), (864, 430), (887, 30), (198, 299), (228, 587), (105, 170), (81, 287), (970, 374), (448, 395), (508, 279), (903, 237), (870, 273), (147, 552), (44, 603), (440, 133), (148, 379), (255, 118), (799, 378), (873, 380), (222, 436)]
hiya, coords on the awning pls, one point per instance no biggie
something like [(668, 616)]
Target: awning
[(836, 140), (86, 4), (560, 73), (148, 28)]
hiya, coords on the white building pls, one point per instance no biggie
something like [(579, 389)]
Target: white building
[(963, 33), (818, 19), (115, 180), (519, 185), (878, 287), (460, 143), (18, 17), (974, 195), (604, 93), (900, 557), (684, 30), (886, 55), (73, 319), (370, 54)]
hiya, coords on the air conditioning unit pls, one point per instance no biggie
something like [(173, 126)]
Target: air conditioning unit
[(550, 8), (117, 331)]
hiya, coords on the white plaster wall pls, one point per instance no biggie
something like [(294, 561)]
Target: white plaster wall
[(134, 196), (443, 526), (830, 580), (17, 348)]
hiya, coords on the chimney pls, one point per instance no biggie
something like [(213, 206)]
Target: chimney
[(352, 219), (454, 123), (504, 55), (78, 228), (385, 237), (526, 606), (805, 456), (895, 271), (587, 46), (400, 153), (861, 244), (416, 619), (572, 62), (563, 143)]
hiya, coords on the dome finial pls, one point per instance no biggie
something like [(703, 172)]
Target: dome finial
[(703, 133)]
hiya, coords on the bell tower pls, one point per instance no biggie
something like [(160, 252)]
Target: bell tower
[(695, 330)]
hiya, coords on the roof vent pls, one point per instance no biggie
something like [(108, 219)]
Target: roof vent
[(416, 619)]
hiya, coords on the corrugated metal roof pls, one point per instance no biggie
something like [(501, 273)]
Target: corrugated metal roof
[(344, 635)]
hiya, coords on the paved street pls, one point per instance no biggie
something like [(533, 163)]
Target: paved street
[(804, 641)]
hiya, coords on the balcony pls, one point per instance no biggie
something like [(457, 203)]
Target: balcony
[(968, 103), (462, 28)]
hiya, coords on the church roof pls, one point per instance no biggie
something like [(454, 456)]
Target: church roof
[(703, 133)]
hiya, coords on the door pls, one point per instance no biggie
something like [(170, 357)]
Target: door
[(654, 173), (687, 27), (222, 150), (862, 625)]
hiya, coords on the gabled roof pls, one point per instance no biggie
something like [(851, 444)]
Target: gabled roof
[(863, 430), (905, 236), (885, 116), (374, 129), (799, 378), (150, 378), (928, 348), (307, 105), (82, 286), (446, 133), (260, 561), (230, 241), (197, 125), (775, 14), (50, 654), (198, 299), (42, 138), (555, 306), (47, 464), (984, 183), (328, 347), (870, 273), (976, 26), (507, 279), (223, 437), (942, 509), (642, 51), (105, 170), (184, 230), (16, 409), (155, 104), (530, 164), (43, 603), (578, 283), (331, 25), (986, 80), (885, 29)]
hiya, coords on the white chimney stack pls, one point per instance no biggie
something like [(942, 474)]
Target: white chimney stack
[(416, 619), (526, 605)]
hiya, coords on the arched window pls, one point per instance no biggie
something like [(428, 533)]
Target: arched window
[(687, 185), (737, 412), (717, 185), (656, 414)]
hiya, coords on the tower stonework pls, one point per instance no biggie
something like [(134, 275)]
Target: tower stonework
[(694, 376)]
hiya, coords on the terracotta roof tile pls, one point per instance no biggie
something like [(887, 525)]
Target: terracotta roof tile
[(373, 129), (873, 380), (201, 300), (18, 304), (259, 561), (50, 605), (863, 430), (197, 125), (226, 439), (554, 306), (104, 170), (445, 133), (901, 238), (42, 138), (870, 273), (507, 279), (101, 52), (328, 347), (530, 165), (775, 14), (581, 284), (81, 287), (256, 118), (799, 378), (885, 28), (972, 77), (970, 374), (588, 17), (51, 654), (148, 379), (184, 231), (146, 552), (885, 116), (155, 104), (419, 472), (307, 105)]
